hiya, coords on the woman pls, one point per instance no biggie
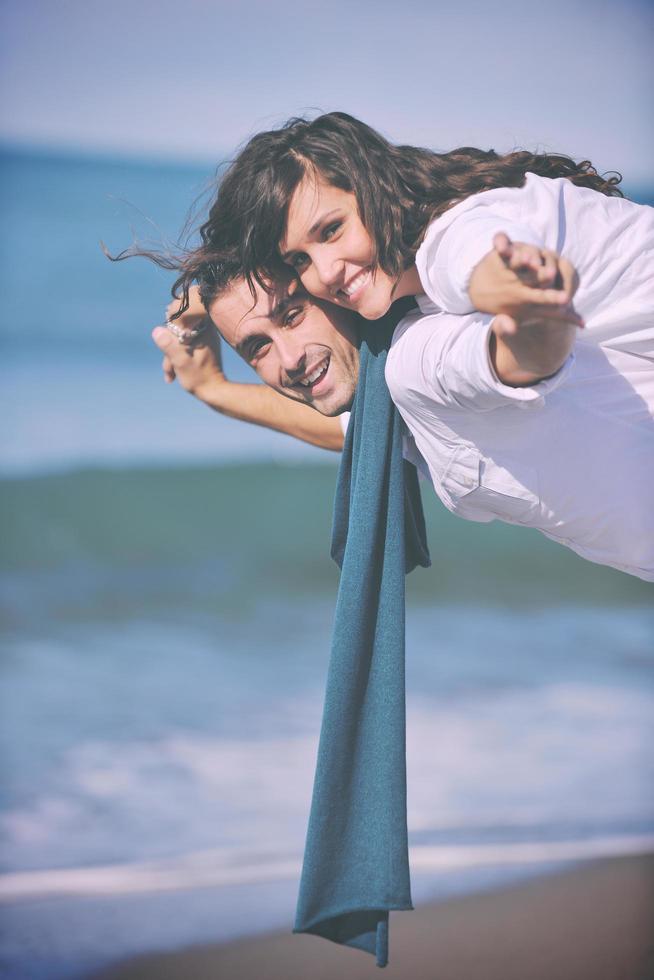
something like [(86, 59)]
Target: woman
[(397, 193), (364, 223)]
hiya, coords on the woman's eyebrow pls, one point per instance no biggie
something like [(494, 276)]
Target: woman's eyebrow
[(313, 229)]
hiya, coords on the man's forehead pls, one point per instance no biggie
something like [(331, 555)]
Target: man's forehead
[(237, 309)]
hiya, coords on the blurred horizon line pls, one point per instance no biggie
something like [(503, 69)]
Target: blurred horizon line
[(96, 153)]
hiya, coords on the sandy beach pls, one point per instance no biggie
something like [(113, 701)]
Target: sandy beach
[(594, 921)]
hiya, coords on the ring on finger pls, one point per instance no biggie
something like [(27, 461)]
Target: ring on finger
[(186, 335)]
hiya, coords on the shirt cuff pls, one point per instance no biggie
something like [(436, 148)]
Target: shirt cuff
[(448, 256), (529, 395)]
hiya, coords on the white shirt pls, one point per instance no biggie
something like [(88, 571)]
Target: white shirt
[(573, 455), (609, 241)]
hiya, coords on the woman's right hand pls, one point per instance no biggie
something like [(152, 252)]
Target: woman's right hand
[(514, 276)]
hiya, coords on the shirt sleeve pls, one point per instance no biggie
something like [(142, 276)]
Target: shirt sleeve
[(465, 374), (454, 244), (444, 360)]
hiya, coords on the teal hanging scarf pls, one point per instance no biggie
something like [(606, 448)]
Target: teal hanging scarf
[(356, 862)]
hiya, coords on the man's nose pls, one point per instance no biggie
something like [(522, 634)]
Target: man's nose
[(290, 353)]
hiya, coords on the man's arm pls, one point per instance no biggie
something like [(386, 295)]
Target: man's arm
[(198, 368)]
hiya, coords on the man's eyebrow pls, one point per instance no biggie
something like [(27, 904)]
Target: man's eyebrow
[(242, 346), (314, 228), (276, 313), (282, 305)]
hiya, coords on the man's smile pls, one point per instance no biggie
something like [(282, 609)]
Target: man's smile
[(307, 351), (314, 377)]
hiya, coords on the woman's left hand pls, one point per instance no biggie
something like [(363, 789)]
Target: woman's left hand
[(514, 276)]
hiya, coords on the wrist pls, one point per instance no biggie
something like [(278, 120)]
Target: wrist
[(211, 389), (530, 355)]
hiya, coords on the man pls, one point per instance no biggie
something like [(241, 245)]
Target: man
[(327, 338), (570, 453), (301, 336)]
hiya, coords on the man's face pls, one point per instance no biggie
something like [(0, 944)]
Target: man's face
[(305, 349)]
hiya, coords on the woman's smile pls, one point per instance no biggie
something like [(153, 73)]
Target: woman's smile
[(332, 252), (352, 290), (330, 249)]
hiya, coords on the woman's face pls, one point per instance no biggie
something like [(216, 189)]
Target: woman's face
[(331, 251)]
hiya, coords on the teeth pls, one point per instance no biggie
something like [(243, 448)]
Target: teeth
[(357, 283), (314, 375)]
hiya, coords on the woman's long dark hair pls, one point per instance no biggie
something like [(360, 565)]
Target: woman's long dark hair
[(399, 190)]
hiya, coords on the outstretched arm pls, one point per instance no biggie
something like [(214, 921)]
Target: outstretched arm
[(198, 369), (531, 290), (513, 276), (531, 347)]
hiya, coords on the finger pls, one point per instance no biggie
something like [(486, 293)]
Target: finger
[(504, 325), (503, 245), (526, 257), (162, 337), (534, 296), (548, 271), (168, 370), (554, 297)]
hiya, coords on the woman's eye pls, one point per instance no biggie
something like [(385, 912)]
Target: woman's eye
[(299, 261), (331, 230)]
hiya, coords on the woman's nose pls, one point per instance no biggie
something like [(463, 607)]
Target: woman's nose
[(328, 268)]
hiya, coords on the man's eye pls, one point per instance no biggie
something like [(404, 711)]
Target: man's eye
[(331, 230), (257, 346), (293, 315)]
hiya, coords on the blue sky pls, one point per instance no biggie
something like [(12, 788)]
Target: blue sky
[(194, 79)]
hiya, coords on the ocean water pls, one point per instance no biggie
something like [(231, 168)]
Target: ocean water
[(166, 609)]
